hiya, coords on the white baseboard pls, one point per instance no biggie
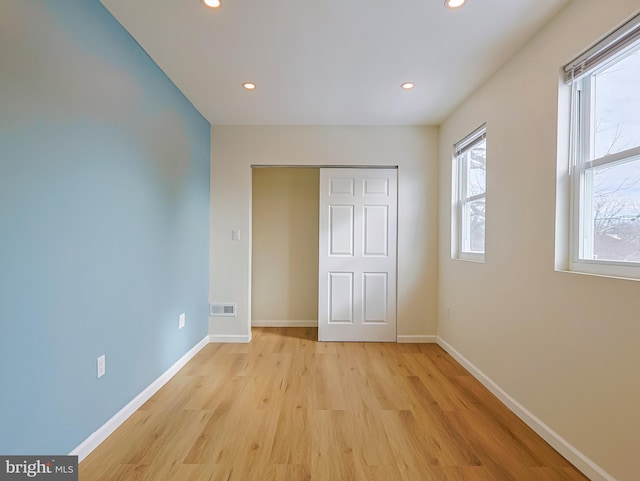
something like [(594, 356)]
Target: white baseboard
[(572, 454), (231, 338), (416, 339), (284, 323), (93, 441)]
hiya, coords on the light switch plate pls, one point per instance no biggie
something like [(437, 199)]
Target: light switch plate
[(101, 366)]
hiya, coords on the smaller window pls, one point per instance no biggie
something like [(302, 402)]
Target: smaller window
[(469, 206)]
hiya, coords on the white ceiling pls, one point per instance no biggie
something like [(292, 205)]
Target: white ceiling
[(330, 62)]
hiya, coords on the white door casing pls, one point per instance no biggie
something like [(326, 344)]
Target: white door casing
[(357, 259)]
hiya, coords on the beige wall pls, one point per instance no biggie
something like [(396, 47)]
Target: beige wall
[(285, 244), (566, 346), (413, 149)]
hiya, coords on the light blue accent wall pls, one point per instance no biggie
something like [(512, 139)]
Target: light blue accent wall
[(104, 222)]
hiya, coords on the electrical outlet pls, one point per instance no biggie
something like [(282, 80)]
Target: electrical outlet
[(101, 365), (182, 320), (235, 234)]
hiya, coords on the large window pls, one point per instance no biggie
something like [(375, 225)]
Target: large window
[(605, 170), (470, 172)]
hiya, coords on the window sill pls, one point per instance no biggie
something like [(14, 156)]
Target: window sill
[(623, 273), (467, 258)]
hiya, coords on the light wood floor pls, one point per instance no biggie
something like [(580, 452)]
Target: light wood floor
[(288, 408)]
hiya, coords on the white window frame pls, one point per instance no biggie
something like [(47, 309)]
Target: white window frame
[(461, 199), (580, 74)]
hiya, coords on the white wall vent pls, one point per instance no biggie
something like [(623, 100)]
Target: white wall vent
[(222, 309)]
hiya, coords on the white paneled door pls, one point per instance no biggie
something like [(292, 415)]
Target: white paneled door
[(357, 284)]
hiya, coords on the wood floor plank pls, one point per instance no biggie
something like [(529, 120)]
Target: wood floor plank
[(292, 442), (287, 408)]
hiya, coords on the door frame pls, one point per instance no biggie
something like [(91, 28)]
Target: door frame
[(314, 166)]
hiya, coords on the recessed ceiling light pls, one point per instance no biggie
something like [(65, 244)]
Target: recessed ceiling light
[(249, 85), (211, 3), (454, 3), (408, 85)]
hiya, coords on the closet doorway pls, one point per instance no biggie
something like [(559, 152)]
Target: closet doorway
[(338, 225), (284, 265)]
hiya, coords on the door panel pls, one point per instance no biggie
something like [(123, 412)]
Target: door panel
[(376, 186), (341, 230), (374, 298), (340, 186), (341, 297), (376, 225), (357, 259)]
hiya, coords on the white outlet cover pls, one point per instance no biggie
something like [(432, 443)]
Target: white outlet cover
[(101, 366), (182, 320)]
